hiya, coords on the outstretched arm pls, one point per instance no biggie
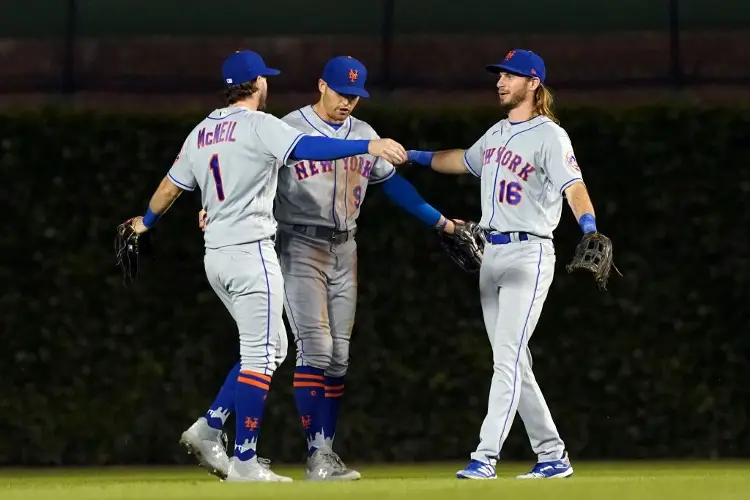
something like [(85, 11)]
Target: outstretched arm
[(405, 195), (324, 148), (450, 161)]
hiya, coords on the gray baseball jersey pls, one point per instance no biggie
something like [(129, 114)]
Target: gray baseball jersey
[(231, 155), (328, 193), (525, 168)]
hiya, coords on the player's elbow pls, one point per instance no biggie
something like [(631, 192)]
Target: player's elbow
[(578, 198), (450, 162), (169, 189)]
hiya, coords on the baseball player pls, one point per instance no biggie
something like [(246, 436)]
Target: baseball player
[(526, 164), (317, 206), (232, 156)]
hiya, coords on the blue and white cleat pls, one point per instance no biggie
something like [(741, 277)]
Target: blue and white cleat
[(556, 469), (477, 470)]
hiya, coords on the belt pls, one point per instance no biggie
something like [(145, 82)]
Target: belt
[(325, 233), (503, 238)]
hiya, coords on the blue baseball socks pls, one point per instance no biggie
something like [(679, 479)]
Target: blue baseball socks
[(334, 391), (309, 394), (249, 401), (223, 405)]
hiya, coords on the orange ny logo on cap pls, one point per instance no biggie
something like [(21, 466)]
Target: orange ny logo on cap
[(510, 54), (353, 75)]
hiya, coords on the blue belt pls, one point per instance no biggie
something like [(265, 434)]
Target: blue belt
[(503, 238)]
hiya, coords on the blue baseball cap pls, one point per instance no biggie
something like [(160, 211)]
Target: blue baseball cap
[(521, 62), (346, 75), (245, 66)]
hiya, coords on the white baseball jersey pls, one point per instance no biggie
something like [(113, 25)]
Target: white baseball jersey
[(525, 168), (232, 155), (328, 193)]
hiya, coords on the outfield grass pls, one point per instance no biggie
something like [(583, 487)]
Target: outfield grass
[(600, 481)]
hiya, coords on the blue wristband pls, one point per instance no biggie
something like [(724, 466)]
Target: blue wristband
[(150, 218), (420, 157), (587, 223)]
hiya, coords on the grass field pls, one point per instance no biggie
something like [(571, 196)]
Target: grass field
[(600, 481)]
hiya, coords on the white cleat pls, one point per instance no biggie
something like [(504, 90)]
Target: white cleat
[(208, 446), (326, 465), (253, 470)]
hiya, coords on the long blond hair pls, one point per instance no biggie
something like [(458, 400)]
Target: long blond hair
[(544, 102)]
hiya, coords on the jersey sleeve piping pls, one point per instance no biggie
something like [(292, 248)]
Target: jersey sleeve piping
[(179, 184), (291, 148), (468, 165), (570, 183)]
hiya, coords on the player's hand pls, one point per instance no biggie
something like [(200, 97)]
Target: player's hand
[(137, 223), (202, 219), (389, 150)]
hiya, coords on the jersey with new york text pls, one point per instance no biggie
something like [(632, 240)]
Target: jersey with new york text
[(232, 156), (328, 193), (524, 169)]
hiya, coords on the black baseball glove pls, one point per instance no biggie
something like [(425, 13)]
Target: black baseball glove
[(465, 245), (129, 246), (594, 254)]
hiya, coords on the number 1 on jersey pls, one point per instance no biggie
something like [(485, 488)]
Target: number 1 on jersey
[(213, 164)]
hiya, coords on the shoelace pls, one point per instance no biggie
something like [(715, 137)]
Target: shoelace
[(336, 460), (329, 458)]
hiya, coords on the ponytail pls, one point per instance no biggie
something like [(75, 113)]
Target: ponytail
[(543, 103)]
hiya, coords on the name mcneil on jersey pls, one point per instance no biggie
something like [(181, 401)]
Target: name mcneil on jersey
[(507, 158), (309, 168), (222, 132)]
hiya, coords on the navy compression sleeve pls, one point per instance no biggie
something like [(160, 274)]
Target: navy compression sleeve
[(325, 148), (405, 195)]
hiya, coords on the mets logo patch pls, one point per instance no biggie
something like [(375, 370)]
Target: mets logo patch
[(570, 160)]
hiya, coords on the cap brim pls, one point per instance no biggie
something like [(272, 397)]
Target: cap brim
[(357, 91), (497, 68), (270, 72)]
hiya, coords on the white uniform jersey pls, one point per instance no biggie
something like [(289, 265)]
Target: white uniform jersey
[(525, 168), (328, 193), (233, 155)]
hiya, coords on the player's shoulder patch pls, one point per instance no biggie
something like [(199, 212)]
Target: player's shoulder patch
[(570, 160)]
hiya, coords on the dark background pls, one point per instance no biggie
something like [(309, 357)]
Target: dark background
[(93, 107)]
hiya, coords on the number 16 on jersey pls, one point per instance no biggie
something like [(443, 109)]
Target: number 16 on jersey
[(509, 192)]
